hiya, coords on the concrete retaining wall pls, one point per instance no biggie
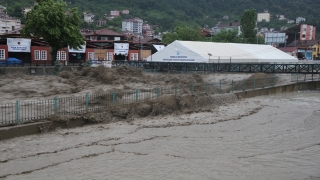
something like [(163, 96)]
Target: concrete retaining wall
[(314, 85)]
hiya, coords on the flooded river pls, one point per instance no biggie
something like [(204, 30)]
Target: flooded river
[(268, 137)]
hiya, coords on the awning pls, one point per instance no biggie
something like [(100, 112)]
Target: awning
[(82, 49)]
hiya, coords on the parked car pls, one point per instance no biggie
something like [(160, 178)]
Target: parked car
[(11, 61)]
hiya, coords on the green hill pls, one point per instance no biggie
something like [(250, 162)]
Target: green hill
[(169, 13)]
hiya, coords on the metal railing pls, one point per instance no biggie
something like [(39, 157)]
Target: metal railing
[(21, 112)]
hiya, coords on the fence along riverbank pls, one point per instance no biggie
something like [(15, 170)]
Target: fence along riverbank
[(24, 111)]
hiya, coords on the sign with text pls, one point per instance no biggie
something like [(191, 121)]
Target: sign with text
[(121, 48), (18, 45), (82, 49), (179, 59)]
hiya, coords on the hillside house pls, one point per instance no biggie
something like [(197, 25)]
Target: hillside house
[(281, 17), (9, 24), (125, 11), (114, 13), (88, 17), (227, 26), (101, 22), (104, 35), (300, 19), (3, 9), (263, 16)]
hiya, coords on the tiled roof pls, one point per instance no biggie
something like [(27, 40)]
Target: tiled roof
[(104, 32), (303, 43), (231, 24)]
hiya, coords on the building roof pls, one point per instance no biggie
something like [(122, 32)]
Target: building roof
[(199, 52), (104, 32), (303, 43), (231, 24)]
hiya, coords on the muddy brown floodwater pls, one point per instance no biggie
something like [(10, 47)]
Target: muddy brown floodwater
[(268, 137)]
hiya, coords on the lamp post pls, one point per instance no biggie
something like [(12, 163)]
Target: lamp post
[(139, 48), (295, 42), (150, 46), (209, 56), (285, 43)]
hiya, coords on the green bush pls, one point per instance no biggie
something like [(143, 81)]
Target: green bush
[(57, 68), (87, 63)]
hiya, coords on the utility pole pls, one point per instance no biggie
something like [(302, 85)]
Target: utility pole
[(295, 43), (151, 46), (139, 48)]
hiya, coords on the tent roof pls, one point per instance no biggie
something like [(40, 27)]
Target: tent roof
[(235, 50), (197, 51)]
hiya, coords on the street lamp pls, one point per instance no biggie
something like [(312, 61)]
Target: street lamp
[(295, 42), (211, 32), (209, 56), (150, 46)]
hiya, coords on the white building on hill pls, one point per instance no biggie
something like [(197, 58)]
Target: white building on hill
[(132, 25), (88, 17), (9, 24), (263, 16)]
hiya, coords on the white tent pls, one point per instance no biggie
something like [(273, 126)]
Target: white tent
[(204, 52)]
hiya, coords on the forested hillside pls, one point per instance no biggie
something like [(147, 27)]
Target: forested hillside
[(169, 13)]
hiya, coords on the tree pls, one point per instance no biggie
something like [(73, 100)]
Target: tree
[(183, 33), (248, 25), (227, 36), (49, 20)]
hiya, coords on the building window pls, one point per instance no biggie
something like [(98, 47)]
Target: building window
[(117, 38), (37, 55), (63, 55), (91, 55), (43, 55), (58, 55), (104, 38), (136, 57), (110, 56), (2, 54), (131, 56)]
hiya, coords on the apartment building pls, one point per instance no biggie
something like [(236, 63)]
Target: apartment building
[(9, 24), (263, 16), (132, 25), (307, 32)]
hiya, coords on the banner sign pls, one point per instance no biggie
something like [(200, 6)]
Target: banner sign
[(18, 45), (121, 48), (159, 47), (82, 49)]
